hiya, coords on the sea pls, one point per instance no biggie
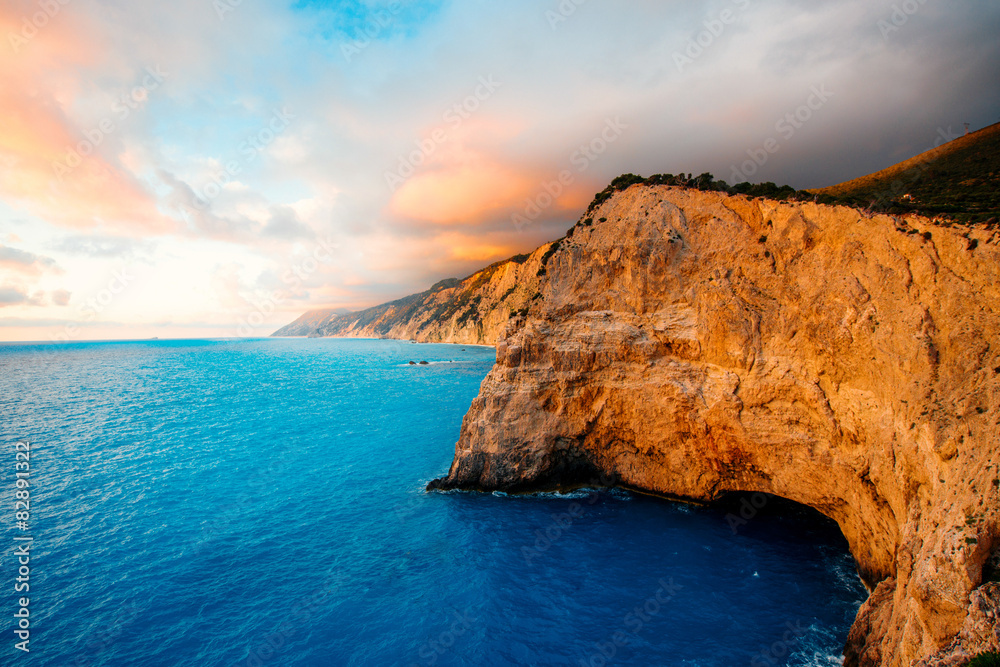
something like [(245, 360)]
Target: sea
[(262, 502)]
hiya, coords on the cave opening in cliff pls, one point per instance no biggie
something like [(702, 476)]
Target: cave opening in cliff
[(742, 507), (756, 513)]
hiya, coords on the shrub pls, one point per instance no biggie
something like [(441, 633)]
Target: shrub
[(547, 256), (705, 182), (990, 659), (625, 181)]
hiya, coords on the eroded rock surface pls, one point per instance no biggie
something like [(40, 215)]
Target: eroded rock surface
[(473, 311), (694, 343)]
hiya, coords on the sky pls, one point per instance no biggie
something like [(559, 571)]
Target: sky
[(215, 168)]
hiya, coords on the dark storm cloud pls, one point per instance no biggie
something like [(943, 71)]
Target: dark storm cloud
[(902, 74)]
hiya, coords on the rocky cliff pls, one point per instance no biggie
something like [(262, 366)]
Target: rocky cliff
[(471, 311), (693, 343)]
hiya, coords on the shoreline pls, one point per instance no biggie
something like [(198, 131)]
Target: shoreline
[(392, 340)]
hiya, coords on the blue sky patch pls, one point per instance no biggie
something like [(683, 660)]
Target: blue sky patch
[(360, 20)]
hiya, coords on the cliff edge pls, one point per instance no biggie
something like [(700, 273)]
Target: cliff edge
[(694, 343), (473, 311)]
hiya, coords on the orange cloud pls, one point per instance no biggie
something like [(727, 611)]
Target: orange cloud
[(469, 194), (41, 82), (422, 261), (479, 252), (468, 180), (460, 194)]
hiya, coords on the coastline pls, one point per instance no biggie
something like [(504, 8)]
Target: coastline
[(394, 340), (693, 344)]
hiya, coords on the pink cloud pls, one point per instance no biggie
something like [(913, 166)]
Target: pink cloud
[(42, 81), (472, 192)]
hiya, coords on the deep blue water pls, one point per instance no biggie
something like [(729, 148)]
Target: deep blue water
[(261, 503)]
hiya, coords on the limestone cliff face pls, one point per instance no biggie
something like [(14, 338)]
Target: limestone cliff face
[(471, 311), (692, 344)]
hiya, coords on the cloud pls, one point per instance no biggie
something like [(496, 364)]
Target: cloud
[(285, 224), (60, 297), (23, 322), (199, 174), (42, 87), (236, 213), (21, 261), (104, 247), (15, 296), (22, 271), (12, 295)]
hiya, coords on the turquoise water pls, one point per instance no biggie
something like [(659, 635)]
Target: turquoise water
[(261, 503)]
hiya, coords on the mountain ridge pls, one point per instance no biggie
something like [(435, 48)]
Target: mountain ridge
[(471, 311), (958, 181)]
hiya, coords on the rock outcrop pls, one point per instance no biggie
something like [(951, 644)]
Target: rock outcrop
[(471, 311), (693, 343), (980, 632)]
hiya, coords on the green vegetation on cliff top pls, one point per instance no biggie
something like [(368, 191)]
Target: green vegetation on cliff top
[(959, 182), (956, 182), (986, 660)]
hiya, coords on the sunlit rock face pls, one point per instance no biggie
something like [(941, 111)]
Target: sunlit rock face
[(473, 311), (691, 343)]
